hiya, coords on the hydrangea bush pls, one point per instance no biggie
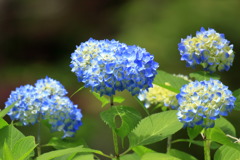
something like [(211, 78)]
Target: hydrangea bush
[(194, 104)]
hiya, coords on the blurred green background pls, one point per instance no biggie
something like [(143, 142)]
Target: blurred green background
[(38, 37)]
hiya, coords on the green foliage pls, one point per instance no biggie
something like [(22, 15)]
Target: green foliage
[(217, 135), (169, 81), (14, 144), (155, 128), (6, 110), (181, 155), (77, 91), (236, 94), (141, 150), (7, 154), (158, 156), (59, 143), (62, 152), (24, 148), (129, 119), (226, 153), (203, 75), (105, 101), (194, 132), (225, 126), (214, 145), (3, 123)]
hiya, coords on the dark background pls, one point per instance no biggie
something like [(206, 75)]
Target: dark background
[(38, 37)]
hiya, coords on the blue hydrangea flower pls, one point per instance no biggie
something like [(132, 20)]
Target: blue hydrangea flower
[(45, 100), (209, 49), (202, 102), (107, 66)]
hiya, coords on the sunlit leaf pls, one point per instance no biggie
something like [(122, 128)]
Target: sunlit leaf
[(155, 128), (169, 81)]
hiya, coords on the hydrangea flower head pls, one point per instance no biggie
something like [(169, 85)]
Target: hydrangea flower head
[(209, 49), (45, 100), (202, 102), (158, 95), (107, 66)]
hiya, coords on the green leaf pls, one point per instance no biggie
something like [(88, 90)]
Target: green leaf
[(118, 99), (217, 135), (23, 148), (181, 155), (226, 153), (102, 99), (225, 126), (6, 110), (158, 156), (236, 94), (62, 152), (194, 132), (141, 150), (214, 145), (129, 119), (169, 81), (59, 143), (77, 91), (105, 101), (155, 128), (3, 123), (10, 135), (203, 75), (132, 156), (84, 156), (7, 154)]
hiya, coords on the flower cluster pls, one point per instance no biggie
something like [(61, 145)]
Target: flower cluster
[(45, 100), (158, 95), (107, 66), (209, 49), (203, 102)]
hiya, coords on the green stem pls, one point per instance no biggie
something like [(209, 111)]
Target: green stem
[(39, 136), (115, 138), (207, 144), (169, 143)]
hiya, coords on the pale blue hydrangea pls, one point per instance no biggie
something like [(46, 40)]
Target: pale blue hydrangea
[(45, 100), (209, 49), (202, 102), (107, 66)]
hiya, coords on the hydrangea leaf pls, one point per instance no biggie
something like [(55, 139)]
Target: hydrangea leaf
[(236, 94), (217, 135), (62, 152), (79, 89), (141, 150), (10, 135), (6, 110), (181, 155), (3, 123), (7, 154), (131, 156), (129, 119), (226, 153), (203, 75), (214, 145), (158, 156), (225, 126), (169, 81), (59, 143), (105, 101), (155, 128), (24, 148), (75, 156), (194, 132)]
